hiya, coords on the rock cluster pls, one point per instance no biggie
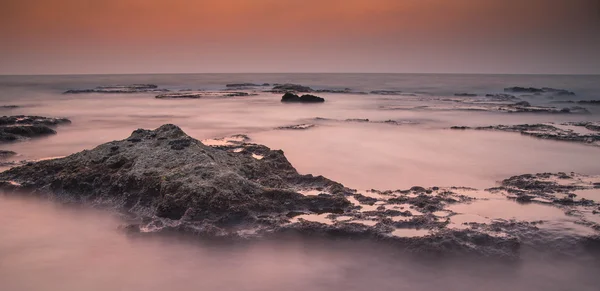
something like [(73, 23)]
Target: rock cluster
[(293, 98), (20, 127)]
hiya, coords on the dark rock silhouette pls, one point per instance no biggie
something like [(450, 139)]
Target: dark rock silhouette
[(293, 98), (21, 127)]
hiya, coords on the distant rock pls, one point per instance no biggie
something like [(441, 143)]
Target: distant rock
[(465, 95), (297, 126), (589, 102), (532, 90), (238, 85), (9, 106), (202, 94), (32, 120), (119, 89), (523, 103), (386, 92), (501, 97), (282, 88), (293, 98)]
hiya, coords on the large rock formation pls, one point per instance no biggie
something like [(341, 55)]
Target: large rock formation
[(165, 173)]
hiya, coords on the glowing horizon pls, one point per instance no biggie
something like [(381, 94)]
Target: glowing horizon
[(264, 36)]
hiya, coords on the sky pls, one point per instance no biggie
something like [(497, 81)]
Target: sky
[(222, 36)]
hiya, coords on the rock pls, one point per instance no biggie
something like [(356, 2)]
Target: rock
[(558, 92), (21, 127), (203, 94), (237, 85), (523, 104), (281, 88), (303, 126), (165, 173), (19, 132), (547, 131), (32, 120), (386, 92), (119, 89), (9, 106), (465, 95), (589, 102), (6, 154), (293, 98), (523, 90), (501, 97)]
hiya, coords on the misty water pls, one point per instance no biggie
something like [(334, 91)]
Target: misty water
[(44, 246)]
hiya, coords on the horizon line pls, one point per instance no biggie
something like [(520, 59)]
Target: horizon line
[(265, 73)]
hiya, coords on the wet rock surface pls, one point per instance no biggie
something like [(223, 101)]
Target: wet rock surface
[(293, 98), (202, 94), (21, 127), (119, 89), (562, 132)]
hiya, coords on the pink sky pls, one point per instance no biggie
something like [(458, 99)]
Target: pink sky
[(188, 36)]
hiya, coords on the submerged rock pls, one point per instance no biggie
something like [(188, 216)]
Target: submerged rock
[(282, 88), (559, 92), (6, 154), (238, 85), (293, 98), (21, 127), (202, 94), (9, 106), (119, 89), (386, 92), (589, 102), (548, 131)]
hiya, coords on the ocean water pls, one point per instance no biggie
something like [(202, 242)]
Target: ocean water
[(50, 247)]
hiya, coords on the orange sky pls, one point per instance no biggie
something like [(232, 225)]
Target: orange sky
[(146, 36)]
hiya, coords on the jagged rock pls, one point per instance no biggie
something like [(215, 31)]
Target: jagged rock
[(119, 89), (293, 98), (165, 173)]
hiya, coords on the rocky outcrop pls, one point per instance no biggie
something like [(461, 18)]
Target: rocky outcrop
[(21, 127), (293, 98), (119, 89), (164, 173)]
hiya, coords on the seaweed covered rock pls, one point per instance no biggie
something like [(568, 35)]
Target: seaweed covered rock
[(164, 173), (293, 98)]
